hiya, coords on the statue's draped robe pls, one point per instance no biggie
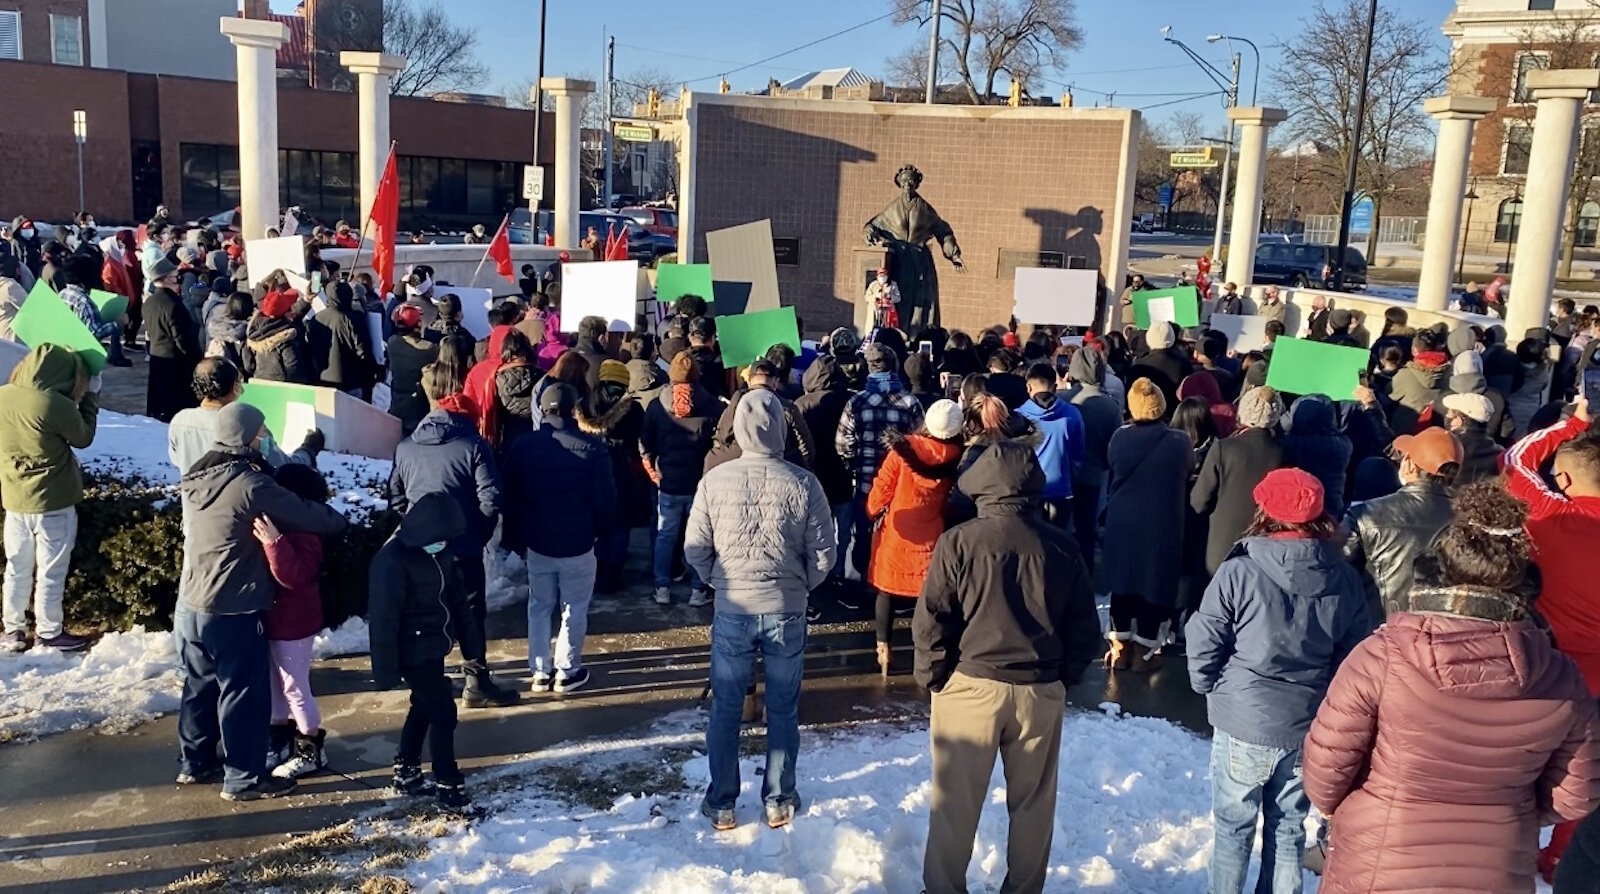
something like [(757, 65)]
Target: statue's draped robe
[(905, 228)]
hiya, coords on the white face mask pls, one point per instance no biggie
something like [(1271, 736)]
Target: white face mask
[(883, 279), (27, 233)]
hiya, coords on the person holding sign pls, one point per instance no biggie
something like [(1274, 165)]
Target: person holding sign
[(51, 406), (81, 275)]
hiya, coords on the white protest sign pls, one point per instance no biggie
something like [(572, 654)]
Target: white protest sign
[(1056, 297), (474, 307), (286, 253), (299, 420), (605, 289), (1245, 333), (1162, 309), (375, 334)]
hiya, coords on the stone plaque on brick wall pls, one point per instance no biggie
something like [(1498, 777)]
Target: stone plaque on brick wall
[(1012, 258)]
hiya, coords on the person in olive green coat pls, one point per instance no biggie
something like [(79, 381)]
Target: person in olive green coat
[(49, 407)]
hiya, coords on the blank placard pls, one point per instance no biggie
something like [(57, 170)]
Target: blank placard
[(744, 254), (265, 256), (474, 307), (605, 289), (1162, 310), (1056, 297), (1245, 333)]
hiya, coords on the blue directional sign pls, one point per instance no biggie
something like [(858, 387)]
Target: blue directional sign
[(1164, 196), (1361, 215)]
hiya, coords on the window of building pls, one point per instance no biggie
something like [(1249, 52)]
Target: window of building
[(1508, 224), (10, 34), (322, 184), (453, 192), (210, 179), (66, 40), (1527, 62), (1588, 224), (1541, 4), (1519, 146)]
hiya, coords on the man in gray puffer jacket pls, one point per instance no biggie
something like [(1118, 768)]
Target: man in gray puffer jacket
[(761, 534)]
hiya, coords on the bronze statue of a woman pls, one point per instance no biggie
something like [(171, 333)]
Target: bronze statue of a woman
[(904, 228)]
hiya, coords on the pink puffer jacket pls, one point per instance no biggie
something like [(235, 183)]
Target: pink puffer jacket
[(1443, 744)]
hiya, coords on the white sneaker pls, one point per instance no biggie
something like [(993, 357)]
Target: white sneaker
[(700, 598), (663, 596)]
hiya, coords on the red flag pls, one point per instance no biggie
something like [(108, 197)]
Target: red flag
[(500, 250), (385, 223), (616, 249)]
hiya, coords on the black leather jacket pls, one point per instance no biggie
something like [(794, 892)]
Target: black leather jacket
[(1387, 535)]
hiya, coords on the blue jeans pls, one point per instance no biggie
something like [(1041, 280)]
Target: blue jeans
[(736, 640), (843, 516), (672, 514), (570, 583), (1249, 781), (226, 699)]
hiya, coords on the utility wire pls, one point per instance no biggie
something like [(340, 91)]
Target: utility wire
[(1173, 102), (724, 74), (625, 46)]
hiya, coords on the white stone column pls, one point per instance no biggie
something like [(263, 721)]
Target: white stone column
[(1451, 151), (256, 43), (1249, 177), (372, 71), (1561, 95), (569, 94)]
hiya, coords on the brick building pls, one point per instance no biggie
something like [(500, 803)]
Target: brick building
[(1019, 186), (1494, 43)]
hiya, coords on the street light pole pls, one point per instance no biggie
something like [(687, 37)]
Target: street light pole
[(80, 133), (933, 54), (1466, 233), (1227, 167), (538, 118), (1255, 82), (1354, 150)]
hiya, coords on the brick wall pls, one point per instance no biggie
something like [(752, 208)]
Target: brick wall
[(40, 175), (36, 41), (1034, 180)]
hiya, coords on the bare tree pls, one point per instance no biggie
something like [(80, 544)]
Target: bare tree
[(981, 39), (1318, 82), (441, 57), (631, 90), (1188, 129), (1566, 40)]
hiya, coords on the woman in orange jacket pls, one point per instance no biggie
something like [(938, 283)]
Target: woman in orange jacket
[(907, 505)]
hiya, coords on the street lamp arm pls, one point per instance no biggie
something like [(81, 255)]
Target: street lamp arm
[(1210, 70), (1255, 84)]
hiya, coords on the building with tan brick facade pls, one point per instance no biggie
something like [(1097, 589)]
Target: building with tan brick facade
[(1494, 43), (1019, 186)]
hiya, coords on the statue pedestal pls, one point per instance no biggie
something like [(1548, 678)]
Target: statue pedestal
[(864, 263)]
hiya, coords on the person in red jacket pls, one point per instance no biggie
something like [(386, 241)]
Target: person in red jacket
[(1564, 525), (292, 624)]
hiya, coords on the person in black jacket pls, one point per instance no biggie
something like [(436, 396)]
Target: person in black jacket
[(1005, 384), (275, 349), (703, 348), (447, 327), (174, 347), (1233, 468), (591, 346), (561, 495), (446, 455), (338, 338), (414, 591), (827, 393), (674, 442), (1166, 366), (1005, 624)]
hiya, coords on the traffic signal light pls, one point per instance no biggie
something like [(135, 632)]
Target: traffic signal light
[(1016, 94)]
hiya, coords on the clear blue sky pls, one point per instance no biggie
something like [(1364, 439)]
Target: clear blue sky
[(1122, 50)]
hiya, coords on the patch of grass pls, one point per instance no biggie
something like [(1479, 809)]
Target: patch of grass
[(319, 863)]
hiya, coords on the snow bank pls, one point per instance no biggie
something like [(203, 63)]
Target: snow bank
[(353, 637), (1133, 814), (126, 679)]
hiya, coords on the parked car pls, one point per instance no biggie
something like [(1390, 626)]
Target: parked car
[(656, 220), (1142, 224), (643, 246), (1308, 266)]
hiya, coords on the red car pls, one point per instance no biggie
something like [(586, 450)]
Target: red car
[(657, 220)]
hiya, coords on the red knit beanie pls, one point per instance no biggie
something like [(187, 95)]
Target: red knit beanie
[(1290, 496)]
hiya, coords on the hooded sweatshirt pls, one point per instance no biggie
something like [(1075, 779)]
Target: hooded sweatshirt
[(1275, 622), (1006, 597), (760, 532), (1061, 448), (413, 596), (1102, 413), (1466, 377), (447, 455), (39, 427), (1315, 445), (827, 392)]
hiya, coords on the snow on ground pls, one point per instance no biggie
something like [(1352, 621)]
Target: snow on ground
[(126, 679), (350, 638), (1132, 814)]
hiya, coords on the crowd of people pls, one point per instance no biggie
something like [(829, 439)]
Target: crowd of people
[(1417, 545)]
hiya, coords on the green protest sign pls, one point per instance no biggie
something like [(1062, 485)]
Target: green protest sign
[(1185, 304), (111, 304), (745, 338), (47, 320), (291, 410), (673, 281), (1300, 366)]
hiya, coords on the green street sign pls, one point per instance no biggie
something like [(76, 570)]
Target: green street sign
[(633, 133), (1201, 159)]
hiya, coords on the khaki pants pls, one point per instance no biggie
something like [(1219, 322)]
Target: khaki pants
[(973, 720)]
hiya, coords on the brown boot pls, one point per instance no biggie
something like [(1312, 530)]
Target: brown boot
[(1119, 656), (883, 660)]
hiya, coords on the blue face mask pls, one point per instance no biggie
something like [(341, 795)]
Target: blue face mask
[(433, 549), (266, 445)]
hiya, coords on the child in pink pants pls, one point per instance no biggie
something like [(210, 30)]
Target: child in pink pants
[(292, 624)]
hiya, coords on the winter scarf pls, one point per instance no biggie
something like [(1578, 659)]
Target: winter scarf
[(883, 383)]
